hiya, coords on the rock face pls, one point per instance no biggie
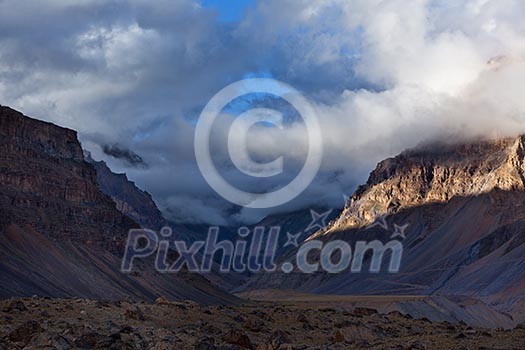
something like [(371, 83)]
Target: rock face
[(462, 209), (60, 235), (129, 199), (47, 185), (436, 174)]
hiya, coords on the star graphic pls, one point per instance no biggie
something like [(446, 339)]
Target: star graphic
[(399, 231), (318, 220), (292, 239), (379, 221)]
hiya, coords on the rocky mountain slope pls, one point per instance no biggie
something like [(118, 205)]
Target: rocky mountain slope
[(140, 207), (60, 235), (462, 209), (436, 173), (129, 199)]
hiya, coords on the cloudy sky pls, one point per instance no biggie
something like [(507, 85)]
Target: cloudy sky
[(381, 75)]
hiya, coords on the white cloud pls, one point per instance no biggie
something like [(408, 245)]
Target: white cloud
[(383, 75)]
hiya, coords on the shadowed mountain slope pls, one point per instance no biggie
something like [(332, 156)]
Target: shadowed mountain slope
[(60, 236), (129, 199)]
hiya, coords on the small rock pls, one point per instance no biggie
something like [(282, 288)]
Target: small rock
[(205, 344), (276, 339), (135, 314), (471, 331), (88, 340), (25, 331), (417, 345), (357, 333), (110, 342), (254, 325), (302, 318), (395, 313), (343, 323), (339, 337), (238, 318), (238, 337), (15, 305), (364, 311), (162, 301), (308, 327), (165, 345), (101, 303), (126, 330), (450, 327), (53, 341), (416, 330), (259, 313), (211, 329), (327, 309)]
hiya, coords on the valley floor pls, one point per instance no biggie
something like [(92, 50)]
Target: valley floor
[(40, 323)]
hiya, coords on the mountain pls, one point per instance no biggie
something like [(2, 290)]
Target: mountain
[(139, 206), (462, 210), (129, 199), (60, 236), (295, 222), (436, 173)]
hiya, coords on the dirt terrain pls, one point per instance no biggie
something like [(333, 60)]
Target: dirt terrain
[(39, 323)]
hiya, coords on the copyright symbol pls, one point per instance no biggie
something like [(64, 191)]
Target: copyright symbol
[(241, 158)]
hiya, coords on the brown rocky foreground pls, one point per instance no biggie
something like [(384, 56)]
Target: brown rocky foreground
[(40, 323)]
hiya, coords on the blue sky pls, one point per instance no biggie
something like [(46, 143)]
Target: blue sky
[(229, 10)]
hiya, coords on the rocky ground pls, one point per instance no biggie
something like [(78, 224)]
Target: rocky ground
[(39, 323)]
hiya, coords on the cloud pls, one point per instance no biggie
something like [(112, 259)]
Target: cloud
[(382, 75), (128, 156)]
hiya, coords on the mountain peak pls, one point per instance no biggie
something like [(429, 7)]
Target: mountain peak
[(435, 173)]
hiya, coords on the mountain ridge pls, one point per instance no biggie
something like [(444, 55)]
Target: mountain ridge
[(137, 204), (435, 174), (60, 236), (462, 209)]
